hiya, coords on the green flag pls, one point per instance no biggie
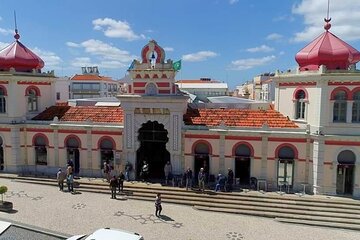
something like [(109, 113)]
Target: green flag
[(177, 65)]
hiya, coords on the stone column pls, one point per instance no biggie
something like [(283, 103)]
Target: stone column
[(222, 153), (56, 148), (264, 156), (17, 164), (349, 106), (356, 189), (89, 159), (318, 164)]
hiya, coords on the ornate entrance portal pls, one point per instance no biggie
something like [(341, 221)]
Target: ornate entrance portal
[(153, 138)]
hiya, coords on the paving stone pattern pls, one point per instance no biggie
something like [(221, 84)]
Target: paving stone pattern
[(83, 213)]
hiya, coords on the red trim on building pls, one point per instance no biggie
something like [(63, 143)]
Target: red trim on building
[(343, 83), (139, 91), (106, 132), (108, 138), (292, 84), (4, 82), (173, 89), (143, 54), (164, 91), (300, 88), (4, 90), (271, 158), (72, 131), (276, 139), (286, 145), (301, 160), (188, 154), (342, 143), (345, 89), (36, 89), (73, 136), (215, 155), (163, 84), (5, 129), (355, 90), (33, 83), (155, 76), (328, 163), (40, 135), (201, 141), (138, 76), (147, 76), (38, 130), (202, 136), (257, 158), (163, 75), (139, 84), (243, 138), (129, 88), (243, 143)]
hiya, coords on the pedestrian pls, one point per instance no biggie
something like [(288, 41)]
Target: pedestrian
[(158, 206), (60, 176), (206, 172), (167, 172), (220, 182), (113, 185), (145, 171), (201, 180), (70, 182), (69, 169), (128, 169), (188, 178), (230, 180), (107, 171), (121, 182)]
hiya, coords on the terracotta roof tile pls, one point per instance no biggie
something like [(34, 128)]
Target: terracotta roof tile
[(90, 77), (82, 114), (237, 118)]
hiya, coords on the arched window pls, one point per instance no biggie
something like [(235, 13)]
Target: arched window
[(339, 113), (300, 104), (32, 100), (106, 152), (151, 89), (2, 100), (40, 150), (286, 166), (356, 108)]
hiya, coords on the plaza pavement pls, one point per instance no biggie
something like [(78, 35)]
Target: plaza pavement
[(47, 207)]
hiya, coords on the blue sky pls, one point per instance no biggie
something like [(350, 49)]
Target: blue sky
[(226, 40)]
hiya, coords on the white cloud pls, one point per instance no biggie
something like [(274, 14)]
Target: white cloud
[(3, 45), (50, 58), (274, 36), (168, 49), (284, 18), (262, 48), (116, 29), (345, 15), (82, 62), (233, 1), (199, 56), (243, 64), (6, 31), (72, 44), (281, 53)]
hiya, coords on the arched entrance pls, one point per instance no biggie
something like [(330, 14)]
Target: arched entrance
[(286, 156), (201, 159), (345, 172), (73, 154), (106, 152), (1, 154), (153, 138), (242, 164)]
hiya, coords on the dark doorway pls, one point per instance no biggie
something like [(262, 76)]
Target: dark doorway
[(1, 155), (201, 160), (153, 138), (345, 172), (73, 154), (106, 152), (242, 164), (242, 170)]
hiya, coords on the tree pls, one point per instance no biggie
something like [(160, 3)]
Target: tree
[(3, 189)]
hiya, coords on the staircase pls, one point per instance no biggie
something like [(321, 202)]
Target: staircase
[(310, 210)]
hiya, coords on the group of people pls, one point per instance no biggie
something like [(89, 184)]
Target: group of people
[(68, 175), (117, 182)]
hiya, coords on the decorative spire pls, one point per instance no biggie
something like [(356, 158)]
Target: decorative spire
[(17, 35), (327, 20)]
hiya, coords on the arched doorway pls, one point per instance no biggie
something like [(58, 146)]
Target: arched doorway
[(345, 172), (242, 164), (286, 156), (40, 144), (106, 152), (73, 154), (1, 154), (201, 159), (153, 138)]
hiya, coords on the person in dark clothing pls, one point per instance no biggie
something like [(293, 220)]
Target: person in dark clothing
[(158, 207), (230, 180), (113, 185), (145, 171), (189, 176), (121, 182)]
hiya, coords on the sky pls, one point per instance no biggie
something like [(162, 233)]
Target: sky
[(226, 40)]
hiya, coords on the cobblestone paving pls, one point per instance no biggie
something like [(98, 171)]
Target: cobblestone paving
[(83, 213)]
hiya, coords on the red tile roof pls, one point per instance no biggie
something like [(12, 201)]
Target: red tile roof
[(82, 114), (90, 77), (237, 118)]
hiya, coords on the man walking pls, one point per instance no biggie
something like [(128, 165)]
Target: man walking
[(188, 179), (113, 185), (201, 180), (60, 176), (121, 182), (230, 180)]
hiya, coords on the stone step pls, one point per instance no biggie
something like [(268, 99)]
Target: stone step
[(320, 223)]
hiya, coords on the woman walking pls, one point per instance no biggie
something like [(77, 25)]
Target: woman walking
[(158, 207)]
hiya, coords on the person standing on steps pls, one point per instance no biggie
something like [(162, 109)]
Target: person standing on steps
[(230, 180), (107, 171), (201, 180), (60, 176), (113, 185), (188, 178), (145, 171), (128, 169), (121, 182), (158, 206), (167, 172)]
